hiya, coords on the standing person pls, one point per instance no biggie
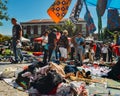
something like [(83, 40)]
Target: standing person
[(16, 36), (72, 46), (80, 42), (51, 42), (45, 46), (98, 51), (63, 46), (19, 52), (91, 52), (57, 53), (110, 53), (104, 52)]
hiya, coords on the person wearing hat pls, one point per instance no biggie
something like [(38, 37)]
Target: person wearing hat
[(63, 46), (16, 36), (51, 42)]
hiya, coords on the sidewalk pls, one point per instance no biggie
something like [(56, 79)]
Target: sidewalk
[(5, 89)]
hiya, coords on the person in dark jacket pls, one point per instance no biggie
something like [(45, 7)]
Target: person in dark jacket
[(52, 42), (63, 46)]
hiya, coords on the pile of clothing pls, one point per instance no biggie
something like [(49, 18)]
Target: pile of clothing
[(48, 80)]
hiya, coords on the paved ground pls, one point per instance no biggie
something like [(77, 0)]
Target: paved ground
[(5, 89)]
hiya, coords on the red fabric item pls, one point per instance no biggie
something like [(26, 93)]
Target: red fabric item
[(58, 35), (53, 92), (94, 47), (37, 53), (38, 39), (116, 49)]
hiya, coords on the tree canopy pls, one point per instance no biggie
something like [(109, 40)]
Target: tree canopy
[(3, 11)]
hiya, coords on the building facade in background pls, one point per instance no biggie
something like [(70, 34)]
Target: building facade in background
[(35, 28)]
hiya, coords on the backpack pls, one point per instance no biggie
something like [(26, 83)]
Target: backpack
[(22, 81), (47, 83)]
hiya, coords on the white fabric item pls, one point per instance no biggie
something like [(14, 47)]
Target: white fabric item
[(63, 52), (23, 39), (45, 40), (104, 49), (19, 45)]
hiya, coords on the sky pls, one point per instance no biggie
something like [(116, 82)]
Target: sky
[(26, 10)]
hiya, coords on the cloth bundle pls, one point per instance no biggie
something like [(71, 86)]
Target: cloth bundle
[(88, 18), (101, 6), (58, 9), (90, 23), (113, 19), (74, 16)]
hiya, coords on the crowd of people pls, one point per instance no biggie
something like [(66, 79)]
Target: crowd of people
[(58, 46), (76, 48)]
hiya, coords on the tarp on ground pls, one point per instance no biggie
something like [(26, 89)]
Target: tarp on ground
[(110, 3)]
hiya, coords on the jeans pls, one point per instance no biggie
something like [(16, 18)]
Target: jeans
[(50, 50), (20, 56), (72, 53), (45, 55), (17, 52)]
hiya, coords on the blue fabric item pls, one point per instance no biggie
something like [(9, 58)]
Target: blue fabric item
[(70, 68), (113, 23), (90, 23), (46, 46), (92, 2), (79, 41), (118, 41), (110, 3)]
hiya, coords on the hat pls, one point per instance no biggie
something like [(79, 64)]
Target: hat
[(54, 29), (65, 32), (79, 33), (115, 32)]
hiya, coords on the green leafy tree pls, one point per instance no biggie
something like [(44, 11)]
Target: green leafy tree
[(3, 11), (68, 25), (107, 35), (4, 38), (26, 35)]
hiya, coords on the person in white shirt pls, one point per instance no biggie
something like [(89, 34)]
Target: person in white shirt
[(104, 52), (19, 51), (45, 46)]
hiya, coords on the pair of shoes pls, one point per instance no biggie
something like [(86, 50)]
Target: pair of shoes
[(15, 62), (21, 62)]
